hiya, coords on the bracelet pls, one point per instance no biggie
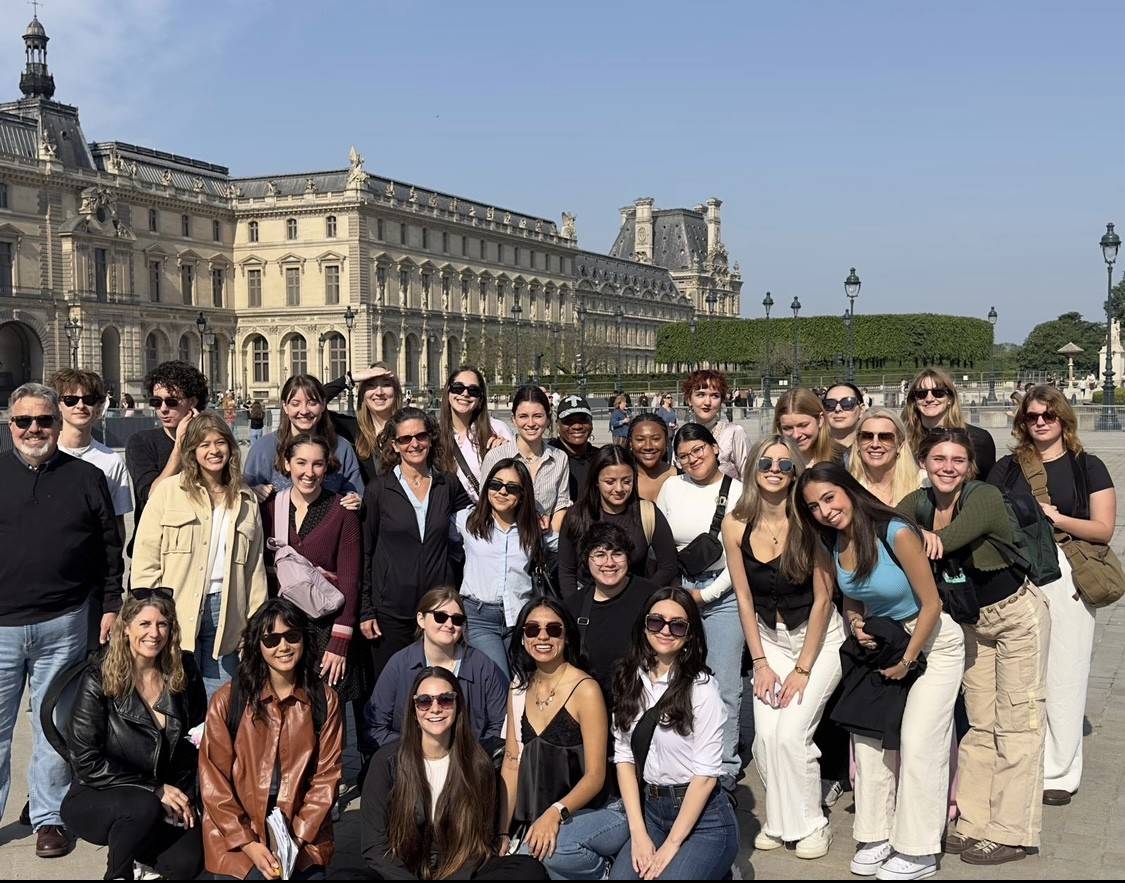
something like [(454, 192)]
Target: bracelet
[(760, 660), (801, 671), (757, 658)]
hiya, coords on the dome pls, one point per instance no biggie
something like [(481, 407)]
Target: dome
[(35, 29)]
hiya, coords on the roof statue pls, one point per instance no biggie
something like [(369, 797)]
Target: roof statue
[(568, 229)]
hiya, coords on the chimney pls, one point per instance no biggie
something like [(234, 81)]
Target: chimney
[(714, 234), (643, 237)]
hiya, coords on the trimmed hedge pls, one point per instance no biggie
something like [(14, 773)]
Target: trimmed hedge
[(1118, 396), (914, 339)]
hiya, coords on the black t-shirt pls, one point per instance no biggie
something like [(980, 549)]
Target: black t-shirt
[(146, 455), (578, 464), (1061, 483)]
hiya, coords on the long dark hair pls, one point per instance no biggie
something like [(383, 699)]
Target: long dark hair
[(313, 389), (463, 826), (480, 522), (868, 512), (480, 424), (520, 661), (587, 509), (628, 688), (253, 672), (391, 457)]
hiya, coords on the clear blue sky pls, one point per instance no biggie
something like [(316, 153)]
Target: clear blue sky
[(958, 154)]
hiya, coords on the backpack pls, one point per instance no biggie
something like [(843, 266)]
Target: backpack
[(1033, 532)]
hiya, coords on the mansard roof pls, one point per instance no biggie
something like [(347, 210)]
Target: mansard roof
[(679, 238), (159, 168), (43, 121)]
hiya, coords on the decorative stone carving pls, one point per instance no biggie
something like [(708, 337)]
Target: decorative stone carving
[(197, 184), (48, 149), (113, 161), (310, 186), (271, 188), (568, 228), (413, 197), (453, 205), (523, 223), (473, 212), (538, 226), (389, 190), (234, 191), (490, 214), (166, 178), (433, 200), (507, 218)]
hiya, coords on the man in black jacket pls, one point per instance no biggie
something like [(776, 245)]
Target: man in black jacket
[(61, 545), (575, 426)]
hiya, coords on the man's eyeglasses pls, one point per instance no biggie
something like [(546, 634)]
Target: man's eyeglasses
[(460, 389), (784, 464), (423, 438), (677, 628), (886, 438), (89, 400), (938, 392), (156, 401), (44, 421), (511, 488), (441, 618), (292, 636), (849, 403), (424, 701)]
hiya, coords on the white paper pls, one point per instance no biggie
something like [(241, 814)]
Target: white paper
[(284, 848)]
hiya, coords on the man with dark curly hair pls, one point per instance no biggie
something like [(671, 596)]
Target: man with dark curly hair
[(176, 392)]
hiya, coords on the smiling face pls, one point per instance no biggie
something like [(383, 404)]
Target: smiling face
[(842, 421), (308, 464), (285, 656), (531, 421), (416, 451), (662, 642), (879, 443), (80, 415), (649, 443), (462, 403), (438, 719), (947, 465), (37, 442), (576, 430), (442, 634), (542, 648), (609, 568), (615, 483), (303, 410), (829, 504), (504, 502), (699, 460), (802, 429), (148, 632), (379, 397), (774, 481), (212, 454), (932, 407), (705, 403)]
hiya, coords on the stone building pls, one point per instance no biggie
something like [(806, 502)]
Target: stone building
[(117, 257)]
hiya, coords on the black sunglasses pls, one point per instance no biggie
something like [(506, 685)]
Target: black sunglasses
[(849, 403), (424, 701), (472, 390), (145, 594), (938, 392), (292, 636), (157, 401), (677, 628), (785, 465), (45, 421), (89, 400), (420, 437), (441, 617), (508, 487), (534, 629), (1049, 417)]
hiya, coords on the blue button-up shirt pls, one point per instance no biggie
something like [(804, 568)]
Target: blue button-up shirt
[(495, 568), (421, 507)]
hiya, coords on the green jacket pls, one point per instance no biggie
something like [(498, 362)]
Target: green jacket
[(980, 523)]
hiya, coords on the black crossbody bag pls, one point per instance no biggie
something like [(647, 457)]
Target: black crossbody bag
[(699, 556)]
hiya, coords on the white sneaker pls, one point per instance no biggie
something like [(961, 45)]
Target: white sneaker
[(869, 857), (816, 844), (144, 872), (765, 842), (907, 867), (831, 790)]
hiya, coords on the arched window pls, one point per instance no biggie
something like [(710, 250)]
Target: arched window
[(260, 359), (152, 352), (337, 356), (299, 356), (330, 227), (185, 349), (291, 228), (253, 228)]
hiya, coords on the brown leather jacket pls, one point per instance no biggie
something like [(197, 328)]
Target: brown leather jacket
[(234, 782)]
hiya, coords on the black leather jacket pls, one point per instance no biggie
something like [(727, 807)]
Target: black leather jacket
[(116, 741)]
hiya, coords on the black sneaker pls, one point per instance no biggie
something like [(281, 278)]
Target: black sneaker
[(25, 814)]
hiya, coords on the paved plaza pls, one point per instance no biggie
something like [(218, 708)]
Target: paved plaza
[(1083, 840)]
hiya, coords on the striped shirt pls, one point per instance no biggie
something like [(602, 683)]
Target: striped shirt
[(552, 481)]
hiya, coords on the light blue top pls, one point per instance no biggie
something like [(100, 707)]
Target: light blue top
[(259, 467), (888, 591), (421, 507), (495, 568)]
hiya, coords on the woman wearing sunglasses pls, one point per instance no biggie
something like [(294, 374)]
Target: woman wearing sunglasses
[(609, 494), (668, 743), (691, 502), (557, 733), (881, 459), (844, 405), (1083, 503), (932, 403), (705, 391), (467, 429), (246, 770), (799, 415), (503, 546), (408, 510), (441, 626), (429, 802), (648, 440), (135, 785), (1000, 762), (201, 535), (794, 634)]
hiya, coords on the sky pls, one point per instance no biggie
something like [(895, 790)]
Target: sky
[(959, 155)]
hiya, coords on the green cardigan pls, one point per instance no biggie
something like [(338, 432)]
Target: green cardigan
[(980, 524)]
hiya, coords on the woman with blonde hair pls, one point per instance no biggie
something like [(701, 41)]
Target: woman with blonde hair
[(799, 416), (881, 458), (201, 535), (932, 403), (1080, 501)]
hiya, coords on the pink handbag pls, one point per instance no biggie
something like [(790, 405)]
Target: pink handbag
[(300, 581)]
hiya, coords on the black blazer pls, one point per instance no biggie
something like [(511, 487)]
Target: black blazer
[(398, 567), (116, 741)]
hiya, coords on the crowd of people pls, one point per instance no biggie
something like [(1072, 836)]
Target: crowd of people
[(544, 643)]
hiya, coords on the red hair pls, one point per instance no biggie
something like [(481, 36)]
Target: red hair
[(704, 378)]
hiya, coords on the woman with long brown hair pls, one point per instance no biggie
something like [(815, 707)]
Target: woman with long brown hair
[(932, 402), (800, 416), (467, 430), (380, 396), (429, 801)]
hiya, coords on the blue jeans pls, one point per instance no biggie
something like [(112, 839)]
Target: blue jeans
[(488, 632), (37, 653), (588, 843), (725, 641), (216, 672), (708, 852)]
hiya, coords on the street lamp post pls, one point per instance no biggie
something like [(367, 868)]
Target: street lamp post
[(796, 375), (73, 329), (517, 311), (617, 377), (992, 317), (556, 330), (767, 302), (349, 323), (230, 365), (580, 312), (692, 326), (851, 289), (711, 300), (1110, 244), (201, 324)]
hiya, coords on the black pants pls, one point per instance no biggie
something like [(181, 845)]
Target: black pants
[(316, 872), (130, 821)]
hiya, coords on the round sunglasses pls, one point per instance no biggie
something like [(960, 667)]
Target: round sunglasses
[(677, 628), (886, 438), (424, 701), (784, 464)]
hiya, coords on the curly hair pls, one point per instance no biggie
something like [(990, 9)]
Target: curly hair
[(391, 457), (180, 377), (703, 379), (117, 667)]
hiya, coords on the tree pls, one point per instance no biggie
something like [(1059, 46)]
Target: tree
[(1040, 350)]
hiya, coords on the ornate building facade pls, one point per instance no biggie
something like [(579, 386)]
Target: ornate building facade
[(117, 257)]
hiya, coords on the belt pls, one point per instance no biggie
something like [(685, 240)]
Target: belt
[(657, 791), (481, 603)]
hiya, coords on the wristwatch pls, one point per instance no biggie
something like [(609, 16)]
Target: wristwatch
[(564, 813)]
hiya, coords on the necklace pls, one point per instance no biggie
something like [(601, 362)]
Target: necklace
[(776, 537), (417, 480), (543, 704)]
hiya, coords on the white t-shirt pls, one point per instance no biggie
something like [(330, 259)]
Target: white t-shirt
[(217, 558), (116, 475), (689, 508), (436, 773)]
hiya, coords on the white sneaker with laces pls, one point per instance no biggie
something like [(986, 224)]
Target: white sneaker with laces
[(907, 867), (869, 857), (765, 842), (816, 845)]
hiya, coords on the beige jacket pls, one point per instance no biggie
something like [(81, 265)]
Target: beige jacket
[(171, 550)]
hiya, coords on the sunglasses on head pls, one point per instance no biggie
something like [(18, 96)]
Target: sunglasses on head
[(422, 438), (938, 392), (784, 464), (44, 421), (849, 403), (145, 594), (1048, 417), (157, 401), (677, 628), (272, 639), (535, 629), (887, 438), (424, 701), (441, 617), (460, 389), (508, 487), (89, 400)]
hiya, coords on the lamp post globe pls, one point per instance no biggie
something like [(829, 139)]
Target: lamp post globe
[(580, 361), (767, 303), (796, 373), (73, 329), (1110, 244), (349, 323)]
